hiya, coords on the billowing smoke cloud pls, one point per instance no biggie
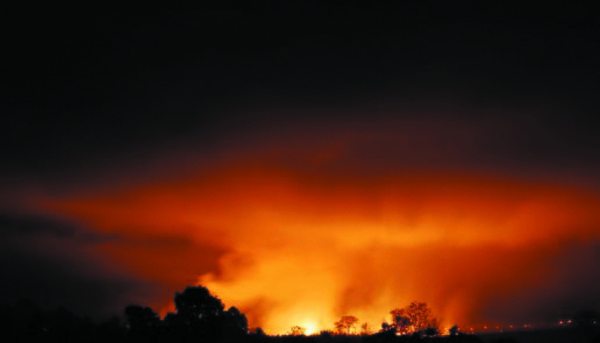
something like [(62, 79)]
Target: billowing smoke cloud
[(295, 248), (303, 220)]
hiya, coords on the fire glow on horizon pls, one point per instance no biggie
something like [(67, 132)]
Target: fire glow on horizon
[(292, 249), (304, 172)]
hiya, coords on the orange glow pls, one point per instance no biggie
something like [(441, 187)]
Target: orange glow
[(290, 248), (310, 326)]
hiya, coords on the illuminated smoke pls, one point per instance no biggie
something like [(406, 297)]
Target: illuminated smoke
[(294, 249)]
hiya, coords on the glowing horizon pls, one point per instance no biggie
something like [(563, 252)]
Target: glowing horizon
[(300, 251), (304, 165)]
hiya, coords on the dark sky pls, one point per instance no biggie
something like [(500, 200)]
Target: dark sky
[(83, 83), (100, 100)]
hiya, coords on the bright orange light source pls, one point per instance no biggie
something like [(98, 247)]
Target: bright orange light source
[(311, 328)]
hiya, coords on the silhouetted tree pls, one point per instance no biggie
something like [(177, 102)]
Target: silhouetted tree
[(386, 327), (386, 335), (196, 303), (25, 322), (434, 323), (418, 313), (172, 320), (365, 329), (112, 330), (430, 331), (237, 319), (400, 320), (327, 334), (175, 326), (258, 335), (197, 313), (297, 330), (233, 325), (346, 323), (413, 318), (200, 314), (259, 332), (141, 320)]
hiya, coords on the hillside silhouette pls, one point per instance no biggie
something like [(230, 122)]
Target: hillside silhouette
[(202, 317)]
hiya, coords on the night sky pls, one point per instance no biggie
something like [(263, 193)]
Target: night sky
[(303, 163)]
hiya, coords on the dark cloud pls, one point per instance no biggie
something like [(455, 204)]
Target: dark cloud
[(55, 263), (95, 83), (13, 224), (22, 226)]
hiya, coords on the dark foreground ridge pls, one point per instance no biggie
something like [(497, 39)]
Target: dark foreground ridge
[(202, 317)]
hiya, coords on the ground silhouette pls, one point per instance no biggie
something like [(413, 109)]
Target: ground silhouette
[(202, 317)]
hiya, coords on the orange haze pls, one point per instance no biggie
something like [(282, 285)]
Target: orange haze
[(295, 248)]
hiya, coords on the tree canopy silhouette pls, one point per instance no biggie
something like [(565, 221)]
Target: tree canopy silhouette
[(418, 313), (400, 320), (201, 314), (141, 320), (346, 323), (297, 330), (195, 303), (415, 317)]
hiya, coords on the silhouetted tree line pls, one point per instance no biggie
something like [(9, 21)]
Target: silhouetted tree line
[(25, 322), (199, 317), (202, 317)]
